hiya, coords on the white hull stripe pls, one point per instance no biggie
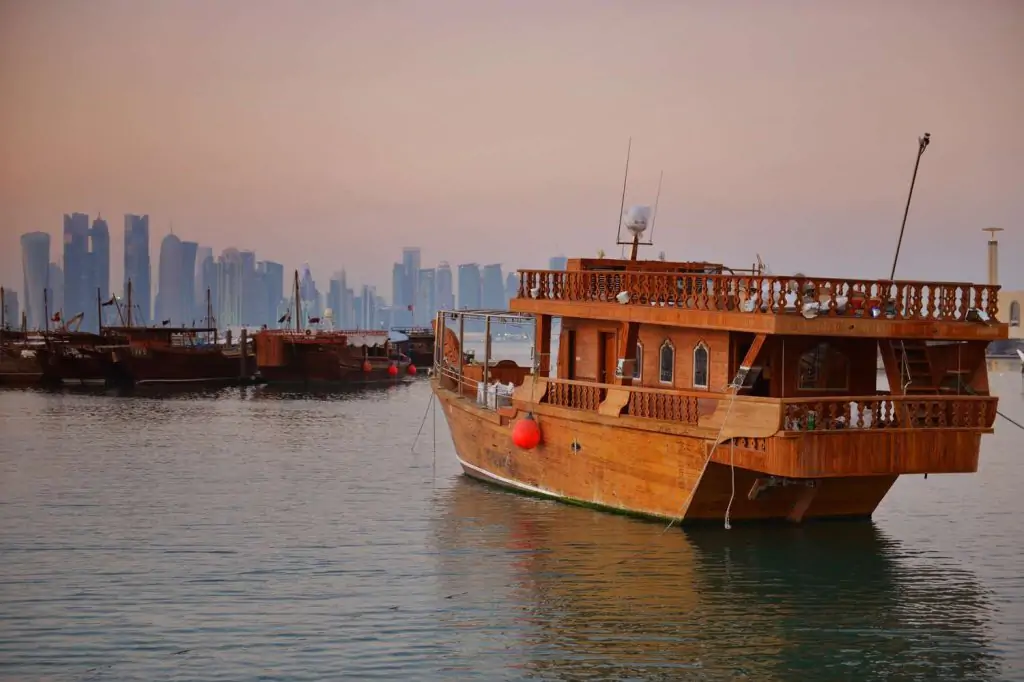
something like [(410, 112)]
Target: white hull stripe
[(510, 483)]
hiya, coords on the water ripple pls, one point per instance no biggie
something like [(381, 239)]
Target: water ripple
[(253, 534)]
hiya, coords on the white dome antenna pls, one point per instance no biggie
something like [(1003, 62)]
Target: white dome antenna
[(636, 220)]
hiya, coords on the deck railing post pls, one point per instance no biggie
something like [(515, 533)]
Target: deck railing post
[(462, 335), (487, 356)]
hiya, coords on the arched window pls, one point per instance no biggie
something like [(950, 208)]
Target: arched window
[(1015, 314), (823, 368), (667, 362), (638, 369), (700, 365)]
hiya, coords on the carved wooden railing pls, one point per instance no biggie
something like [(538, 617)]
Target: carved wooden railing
[(666, 406), (901, 300), (574, 394), (648, 403), (888, 412)]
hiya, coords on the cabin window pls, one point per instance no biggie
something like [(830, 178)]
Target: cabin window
[(700, 365), (638, 368), (823, 368), (667, 362), (1015, 314)]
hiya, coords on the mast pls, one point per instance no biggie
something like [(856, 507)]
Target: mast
[(46, 313), (99, 311), (298, 322), (129, 293), (209, 317), (3, 313)]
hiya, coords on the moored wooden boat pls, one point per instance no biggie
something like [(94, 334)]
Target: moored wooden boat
[(177, 355), (695, 392), (419, 347), (334, 357)]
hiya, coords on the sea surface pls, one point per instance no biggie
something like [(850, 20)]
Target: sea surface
[(250, 534)]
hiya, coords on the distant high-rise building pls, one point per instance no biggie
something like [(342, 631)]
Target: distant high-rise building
[(425, 307), (99, 256), (273, 276), (229, 289), (137, 268), (35, 264), (492, 294), (368, 317), (202, 283), (511, 287), (469, 286), (78, 288), (54, 289), (169, 293), (557, 263), (11, 310), (189, 250), (444, 295)]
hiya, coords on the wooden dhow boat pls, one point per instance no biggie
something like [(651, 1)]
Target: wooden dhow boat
[(306, 355), (693, 392)]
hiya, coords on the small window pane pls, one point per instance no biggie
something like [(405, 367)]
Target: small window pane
[(638, 369), (700, 366), (668, 363)]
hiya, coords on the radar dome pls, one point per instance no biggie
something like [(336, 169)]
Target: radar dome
[(637, 218)]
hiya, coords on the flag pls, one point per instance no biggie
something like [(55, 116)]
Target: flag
[(284, 317), (314, 320), (56, 317), (110, 302), (165, 322), (409, 307)]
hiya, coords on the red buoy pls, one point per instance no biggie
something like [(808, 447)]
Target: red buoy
[(412, 368), (366, 366), (526, 433), (393, 370)]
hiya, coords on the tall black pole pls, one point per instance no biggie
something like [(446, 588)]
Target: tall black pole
[(922, 144)]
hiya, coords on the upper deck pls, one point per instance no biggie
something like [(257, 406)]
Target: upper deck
[(711, 295)]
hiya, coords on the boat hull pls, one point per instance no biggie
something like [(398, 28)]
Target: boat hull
[(642, 473), (143, 366)]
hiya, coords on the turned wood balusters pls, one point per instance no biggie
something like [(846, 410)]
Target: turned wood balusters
[(900, 300)]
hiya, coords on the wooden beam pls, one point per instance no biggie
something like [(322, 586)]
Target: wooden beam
[(749, 359), (542, 345)]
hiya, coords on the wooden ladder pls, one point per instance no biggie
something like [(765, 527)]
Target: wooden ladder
[(912, 357)]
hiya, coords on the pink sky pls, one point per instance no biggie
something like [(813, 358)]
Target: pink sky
[(337, 132)]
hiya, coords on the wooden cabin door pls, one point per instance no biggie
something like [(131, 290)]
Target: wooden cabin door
[(606, 358)]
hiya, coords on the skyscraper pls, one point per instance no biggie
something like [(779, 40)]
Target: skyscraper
[(492, 288), (445, 296), (136, 266), (469, 286), (78, 287), (511, 287), (99, 256), (54, 290), (11, 310), (557, 263), (35, 265), (273, 274), (168, 295), (425, 306), (229, 289), (188, 282), (202, 283)]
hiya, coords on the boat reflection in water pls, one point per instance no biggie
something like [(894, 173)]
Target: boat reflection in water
[(592, 594)]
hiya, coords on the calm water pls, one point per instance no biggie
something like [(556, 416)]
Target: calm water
[(248, 534)]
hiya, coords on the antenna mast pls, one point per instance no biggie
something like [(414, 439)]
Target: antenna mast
[(922, 144), (622, 203)]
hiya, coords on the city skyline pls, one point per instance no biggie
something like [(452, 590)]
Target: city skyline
[(236, 289), (327, 132)]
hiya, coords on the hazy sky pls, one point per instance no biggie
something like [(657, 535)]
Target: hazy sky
[(337, 132)]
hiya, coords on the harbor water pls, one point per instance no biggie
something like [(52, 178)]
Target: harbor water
[(251, 534)]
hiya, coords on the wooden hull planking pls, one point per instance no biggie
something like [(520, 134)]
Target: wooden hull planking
[(658, 475)]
